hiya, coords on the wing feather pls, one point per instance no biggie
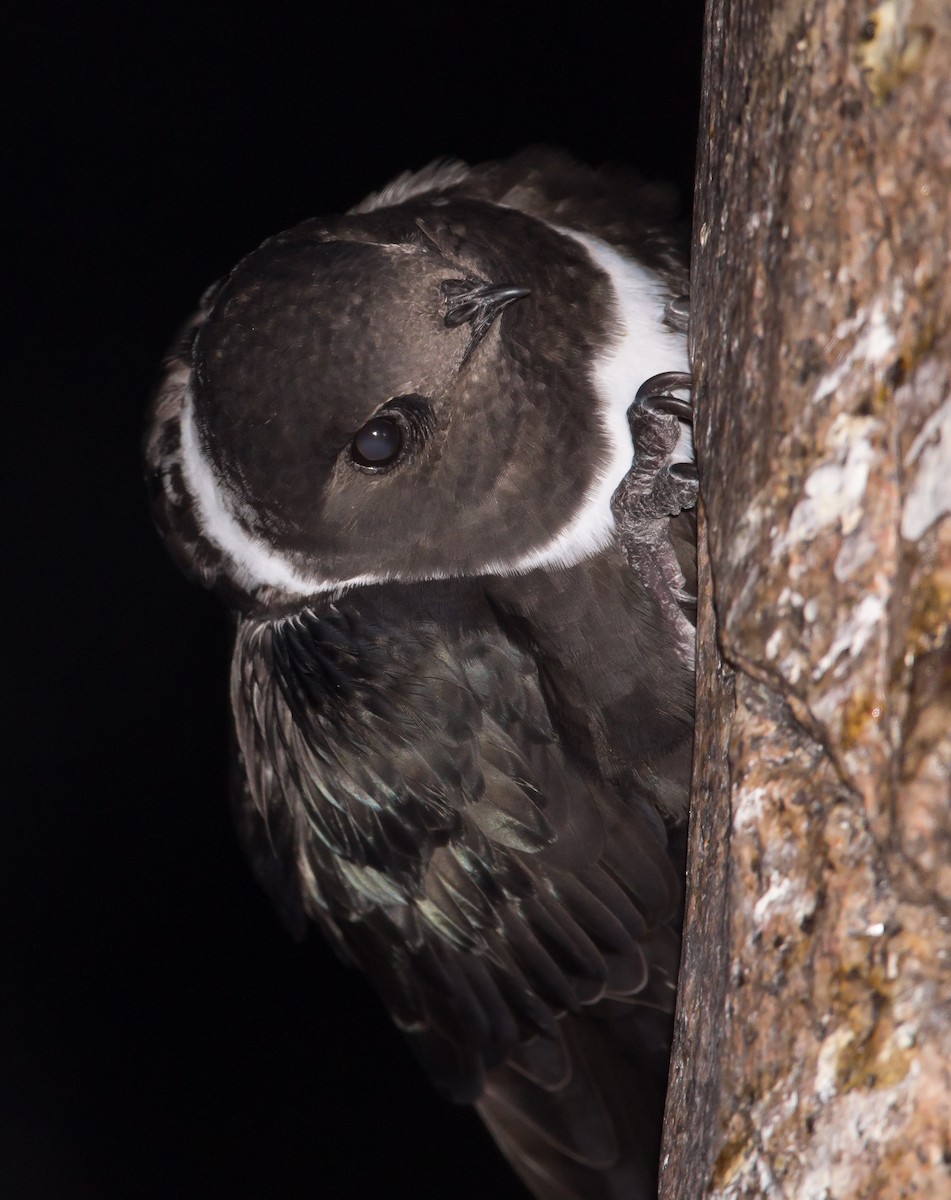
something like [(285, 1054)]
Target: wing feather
[(494, 891), (613, 202)]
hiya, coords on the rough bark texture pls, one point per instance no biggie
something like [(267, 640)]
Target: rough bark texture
[(814, 1034)]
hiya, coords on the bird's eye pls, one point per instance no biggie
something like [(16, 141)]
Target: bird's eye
[(378, 443)]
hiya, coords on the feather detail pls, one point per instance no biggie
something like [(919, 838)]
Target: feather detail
[(485, 885), (451, 780)]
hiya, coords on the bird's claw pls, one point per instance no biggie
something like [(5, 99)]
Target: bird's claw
[(685, 470), (657, 394), (664, 474), (677, 314), (661, 486)]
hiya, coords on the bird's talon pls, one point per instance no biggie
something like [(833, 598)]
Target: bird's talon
[(656, 394), (663, 384), (677, 314), (664, 453), (681, 409)]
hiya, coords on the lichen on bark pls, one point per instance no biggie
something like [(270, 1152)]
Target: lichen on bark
[(813, 1057)]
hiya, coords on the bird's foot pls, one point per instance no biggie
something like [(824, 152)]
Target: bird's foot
[(652, 504), (664, 476)]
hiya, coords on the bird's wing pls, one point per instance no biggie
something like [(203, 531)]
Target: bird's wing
[(611, 202), (446, 844)]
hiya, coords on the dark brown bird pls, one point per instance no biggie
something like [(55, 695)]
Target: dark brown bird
[(462, 681)]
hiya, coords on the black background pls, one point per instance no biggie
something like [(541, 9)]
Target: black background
[(161, 1036)]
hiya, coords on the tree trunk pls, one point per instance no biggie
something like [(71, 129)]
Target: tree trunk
[(813, 1055)]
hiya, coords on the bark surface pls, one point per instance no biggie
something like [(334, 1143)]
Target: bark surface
[(813, 1058)]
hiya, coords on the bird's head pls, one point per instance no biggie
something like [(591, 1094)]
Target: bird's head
[(407, 393)]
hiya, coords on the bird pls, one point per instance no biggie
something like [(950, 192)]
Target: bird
[(434, 454)]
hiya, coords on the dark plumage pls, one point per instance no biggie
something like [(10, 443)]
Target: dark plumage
[(462, 690)]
